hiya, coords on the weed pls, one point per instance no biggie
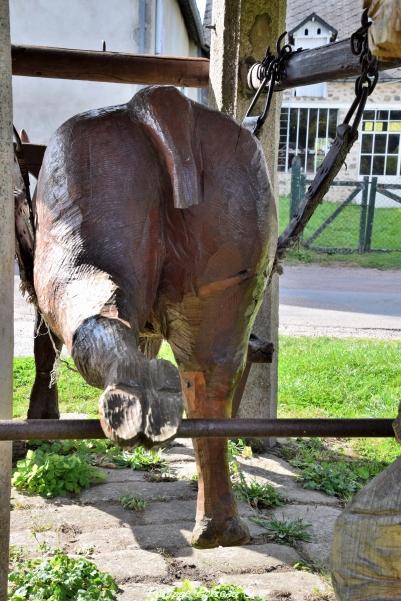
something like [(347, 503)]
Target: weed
[(39, 527), (60, 577), (257, 494), (17, 555), (286, 532), (161, 475), (133, 503), (52, 474), (219, 592), (329, 471)]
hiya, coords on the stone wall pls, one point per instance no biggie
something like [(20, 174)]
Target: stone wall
[(340, 94)]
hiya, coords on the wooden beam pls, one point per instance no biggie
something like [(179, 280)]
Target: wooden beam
[(326, 63), (114, 67), (7, 251)]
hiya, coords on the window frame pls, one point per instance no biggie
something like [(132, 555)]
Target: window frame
[(383, 177), (318, 106)]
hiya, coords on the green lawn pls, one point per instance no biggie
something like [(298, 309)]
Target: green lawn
[(343, 232), (318, 377)]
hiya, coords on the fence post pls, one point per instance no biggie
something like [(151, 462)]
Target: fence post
[(297, 185), (6, 284), (362, 221), (370, 214)]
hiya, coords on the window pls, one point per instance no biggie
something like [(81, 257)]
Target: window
[(380, 143), (306, 133)]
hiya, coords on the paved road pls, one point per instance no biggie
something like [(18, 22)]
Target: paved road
[(314, 301), (343, 302)]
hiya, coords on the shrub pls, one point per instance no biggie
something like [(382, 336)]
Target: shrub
[(52, 474), (60, 578)]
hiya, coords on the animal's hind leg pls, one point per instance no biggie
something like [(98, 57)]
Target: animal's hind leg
[(210, 344), (43, 402)]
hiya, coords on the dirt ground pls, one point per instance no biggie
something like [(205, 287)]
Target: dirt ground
[(149, 552)]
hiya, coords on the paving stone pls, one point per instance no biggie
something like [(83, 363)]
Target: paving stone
[(141, 592), (299, 584), (184, 469), (150, 491), (174, 454), (322, 520), (237, 560), (309, 497), (132, 564), (124, 475)]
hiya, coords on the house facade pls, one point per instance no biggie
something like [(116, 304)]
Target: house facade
[(310, 114), (170, 27)]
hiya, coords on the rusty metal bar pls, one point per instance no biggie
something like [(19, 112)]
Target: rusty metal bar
[(51, 429)]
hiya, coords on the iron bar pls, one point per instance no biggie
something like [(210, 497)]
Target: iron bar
[(51, 429)]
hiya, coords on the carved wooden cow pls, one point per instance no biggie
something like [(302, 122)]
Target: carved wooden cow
[(154, 220)]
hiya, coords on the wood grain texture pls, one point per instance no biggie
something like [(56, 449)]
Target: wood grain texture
[(385, 31), (115, 67), (156, 219)]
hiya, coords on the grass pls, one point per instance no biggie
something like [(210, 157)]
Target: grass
[(328, 377), (344, 233), (286, 532)]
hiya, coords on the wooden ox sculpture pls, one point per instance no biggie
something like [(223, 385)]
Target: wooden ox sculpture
[(154, 220)]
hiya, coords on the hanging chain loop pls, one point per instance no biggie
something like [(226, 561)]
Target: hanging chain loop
[(269, 72)]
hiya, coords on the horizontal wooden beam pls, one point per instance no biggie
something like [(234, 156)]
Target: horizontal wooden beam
[(326, 63), (114, 67)]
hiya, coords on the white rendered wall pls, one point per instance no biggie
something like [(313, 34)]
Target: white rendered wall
[(41, 105)]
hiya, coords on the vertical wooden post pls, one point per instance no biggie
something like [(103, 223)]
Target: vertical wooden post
[(243, 29), (6, 284)]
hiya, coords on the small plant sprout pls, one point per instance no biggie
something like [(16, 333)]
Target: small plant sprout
[(257, 494), (133, 503), (220, 592), (286, 532)]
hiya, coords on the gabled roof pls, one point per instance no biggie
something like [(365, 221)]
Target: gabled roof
[(193, 22), (344, 15), (313, 17)]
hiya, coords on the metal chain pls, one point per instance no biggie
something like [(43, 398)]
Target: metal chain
[(269, 72)]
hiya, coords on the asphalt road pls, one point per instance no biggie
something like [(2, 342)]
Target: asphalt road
[(344, 302), (314, 301)]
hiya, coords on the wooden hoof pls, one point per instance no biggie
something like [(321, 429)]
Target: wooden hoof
[(132, 415), (209, 533)]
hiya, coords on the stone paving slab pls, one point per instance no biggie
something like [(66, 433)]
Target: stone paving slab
[(150, 491), (133, 564), (229, 560), (300, 586), (139, 592)]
